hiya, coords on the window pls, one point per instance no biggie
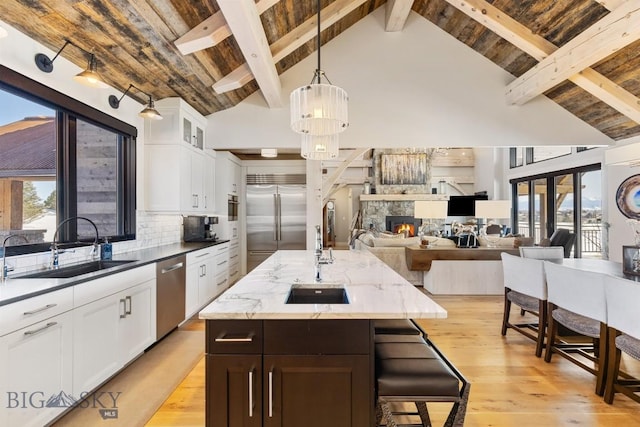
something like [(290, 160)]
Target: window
[(61, 159), (545, 153), (516, 155), (569, 199)]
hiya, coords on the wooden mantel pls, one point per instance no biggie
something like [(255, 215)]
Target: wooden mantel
[(401, 197), (419, 259)]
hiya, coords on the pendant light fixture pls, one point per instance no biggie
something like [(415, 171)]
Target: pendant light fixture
[(319, 110), (149, 112), (319, 147), (88, 77)]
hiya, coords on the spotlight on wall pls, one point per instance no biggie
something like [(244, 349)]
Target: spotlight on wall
[(88, 77), (149, 112)]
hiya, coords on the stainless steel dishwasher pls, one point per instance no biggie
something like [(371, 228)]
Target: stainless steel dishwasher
[(170, 294)]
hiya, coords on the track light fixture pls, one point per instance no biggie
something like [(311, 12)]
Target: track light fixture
[(88, 77), (149, 112)]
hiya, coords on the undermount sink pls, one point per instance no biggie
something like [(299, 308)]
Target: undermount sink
[(317, 293), (75, 270)]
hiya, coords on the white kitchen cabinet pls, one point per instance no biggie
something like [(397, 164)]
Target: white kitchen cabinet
[(110, 331), (180, 124), (175, 179), (228, 179), (36, 370), (221, 261), (200, 287), (234, 261), (179, 176)]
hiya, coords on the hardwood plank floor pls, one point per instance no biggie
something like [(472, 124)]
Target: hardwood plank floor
[(509, 385)]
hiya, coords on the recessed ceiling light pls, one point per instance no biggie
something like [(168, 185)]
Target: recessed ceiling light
[(269, 152)]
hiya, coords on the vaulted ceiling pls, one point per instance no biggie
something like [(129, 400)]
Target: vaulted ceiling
[(582, 54)]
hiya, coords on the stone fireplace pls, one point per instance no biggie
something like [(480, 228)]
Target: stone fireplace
[(403, 223)]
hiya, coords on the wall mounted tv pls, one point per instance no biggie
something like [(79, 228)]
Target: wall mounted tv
[(464, 205)]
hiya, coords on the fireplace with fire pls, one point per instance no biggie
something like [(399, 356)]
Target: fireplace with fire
[(403, 224)]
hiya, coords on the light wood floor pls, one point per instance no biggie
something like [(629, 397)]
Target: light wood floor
[(509, 385)]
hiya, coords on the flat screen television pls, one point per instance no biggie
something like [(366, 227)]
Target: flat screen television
[(464, 205)]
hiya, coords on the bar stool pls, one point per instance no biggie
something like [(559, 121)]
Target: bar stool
[(419, 373)]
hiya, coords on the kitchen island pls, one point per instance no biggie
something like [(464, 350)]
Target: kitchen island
[(270, 363)]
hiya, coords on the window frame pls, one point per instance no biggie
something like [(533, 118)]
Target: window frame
[(68, 110)]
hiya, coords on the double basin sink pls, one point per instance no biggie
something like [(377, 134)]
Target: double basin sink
[(75, 270)]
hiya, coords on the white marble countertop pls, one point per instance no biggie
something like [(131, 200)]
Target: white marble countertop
[(374, 290)]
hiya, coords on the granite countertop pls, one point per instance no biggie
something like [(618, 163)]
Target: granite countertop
[(17, 289), (374, 290)]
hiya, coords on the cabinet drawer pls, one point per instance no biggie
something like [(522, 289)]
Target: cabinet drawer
[(27, 312), (318, 336), (198, 256), (87, 292), (234, 336), (234, 276)]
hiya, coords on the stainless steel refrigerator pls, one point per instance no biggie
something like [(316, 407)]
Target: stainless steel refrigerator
[(276, 215)]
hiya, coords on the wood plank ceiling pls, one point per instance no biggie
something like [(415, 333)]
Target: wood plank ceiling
[(582, 54)]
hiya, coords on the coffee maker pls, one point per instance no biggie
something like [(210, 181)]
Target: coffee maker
[(199, 228)]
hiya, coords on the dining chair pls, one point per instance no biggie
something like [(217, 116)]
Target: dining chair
[(524, 285), (624, 336), (576, 300), (550, 253)]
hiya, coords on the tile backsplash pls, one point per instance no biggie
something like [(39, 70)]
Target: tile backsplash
[(152, 230)]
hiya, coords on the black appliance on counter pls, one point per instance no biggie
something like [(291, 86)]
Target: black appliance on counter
[(199, 228)]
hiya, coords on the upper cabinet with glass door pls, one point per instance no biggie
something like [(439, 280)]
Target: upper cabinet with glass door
[(181, 124)]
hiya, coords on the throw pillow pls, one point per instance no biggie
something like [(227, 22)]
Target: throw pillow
[(383, 242)]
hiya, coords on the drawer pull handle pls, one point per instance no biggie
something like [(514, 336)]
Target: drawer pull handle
[(251, 393), (248, 338), (271, 393), (35, 331), (234, 256), (46, 307), (201, 255), (223, 262), (221, 283)]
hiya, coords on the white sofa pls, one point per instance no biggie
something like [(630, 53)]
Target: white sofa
[(390, 249)]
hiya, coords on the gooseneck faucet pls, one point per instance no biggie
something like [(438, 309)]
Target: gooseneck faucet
[(5, 268), (320, 260), (54, 245)]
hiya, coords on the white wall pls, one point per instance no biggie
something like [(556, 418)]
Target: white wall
[(414, 88)]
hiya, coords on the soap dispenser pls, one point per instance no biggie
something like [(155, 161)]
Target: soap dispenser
[(106, 251)]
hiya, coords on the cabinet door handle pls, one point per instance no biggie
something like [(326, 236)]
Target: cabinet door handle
[(127, 311), (223, 262), (35, 331), (251, 393), (201, 255), (271, 393), (173, 267), (234, 256), (38, 310), (221, 282), (248, 338), (123, 304)]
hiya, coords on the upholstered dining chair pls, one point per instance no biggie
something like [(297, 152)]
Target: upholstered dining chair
[(550, 253), (624, 336), (576, 300), (524, 285)]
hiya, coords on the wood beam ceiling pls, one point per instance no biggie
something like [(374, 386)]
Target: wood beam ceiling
[(397, 13), (539, 48), (244, 21), (616, 30)]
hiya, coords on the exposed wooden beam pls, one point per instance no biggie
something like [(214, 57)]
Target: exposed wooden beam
[(212, 31), (397, 13), (234, 80), (244, 21), (328, 183), (298, 37), (616, 30), (539, 48)]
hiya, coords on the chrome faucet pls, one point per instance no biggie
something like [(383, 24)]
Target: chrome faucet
[(320, 260), (55, 262), (5, 268)]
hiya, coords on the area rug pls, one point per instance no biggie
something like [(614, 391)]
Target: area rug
[(143, 386)]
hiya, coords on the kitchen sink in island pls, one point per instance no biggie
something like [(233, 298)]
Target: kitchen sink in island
[(270, 363)]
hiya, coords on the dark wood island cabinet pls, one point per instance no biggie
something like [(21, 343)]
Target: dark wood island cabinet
[(289, 373)]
